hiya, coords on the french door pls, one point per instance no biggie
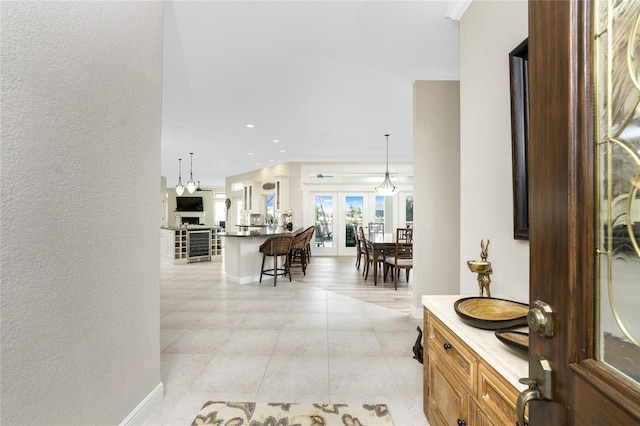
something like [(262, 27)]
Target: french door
[(324, 208), (336, 213), (353, 211)]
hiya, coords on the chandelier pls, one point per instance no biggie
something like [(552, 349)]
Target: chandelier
[(179, 186), (191, 185), (386, 188)]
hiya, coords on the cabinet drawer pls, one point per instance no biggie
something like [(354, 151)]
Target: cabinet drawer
[(497, 398), (453, 353)]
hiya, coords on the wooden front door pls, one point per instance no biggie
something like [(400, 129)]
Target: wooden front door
[(570, 248)]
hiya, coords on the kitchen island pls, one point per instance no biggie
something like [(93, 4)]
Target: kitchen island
[(242, 257)]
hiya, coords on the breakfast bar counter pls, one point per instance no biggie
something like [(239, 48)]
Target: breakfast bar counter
[(242, 257)]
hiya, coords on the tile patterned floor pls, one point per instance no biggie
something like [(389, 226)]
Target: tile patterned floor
[(328, 336)]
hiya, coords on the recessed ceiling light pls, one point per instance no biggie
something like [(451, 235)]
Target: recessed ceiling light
[(251, 126), (257, 164), (271, 161), (250, 153), (276, 141), (282, 150)]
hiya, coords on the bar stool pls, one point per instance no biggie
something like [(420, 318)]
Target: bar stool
[(299, 251), (276, 246), (309, 231)]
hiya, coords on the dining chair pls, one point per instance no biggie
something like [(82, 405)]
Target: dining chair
[(376, 231), (359, 251), (404, 235), (277, 246), (368, 255), (402, 256)]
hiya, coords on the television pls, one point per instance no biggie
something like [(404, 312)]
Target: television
[(189, 204)]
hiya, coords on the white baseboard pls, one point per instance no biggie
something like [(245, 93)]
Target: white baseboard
[(147, 406)]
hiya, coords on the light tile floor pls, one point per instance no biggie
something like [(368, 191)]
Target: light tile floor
[(296, 342)]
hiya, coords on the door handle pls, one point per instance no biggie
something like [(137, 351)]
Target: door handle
[(539, 386), (531, 394)]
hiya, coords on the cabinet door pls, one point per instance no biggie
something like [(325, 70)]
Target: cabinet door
[(282, 194), (248, 197), (478, 418), (497, 397), (448, 399)]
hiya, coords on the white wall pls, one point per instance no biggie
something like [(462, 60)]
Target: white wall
[(80, 160), (436, 153), (299, 186), (262, 176), (206, 216), (489, 30)]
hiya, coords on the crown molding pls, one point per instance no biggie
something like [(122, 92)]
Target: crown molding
[(457, 9)]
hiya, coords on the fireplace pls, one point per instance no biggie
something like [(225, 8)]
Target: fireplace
[(191, 220)]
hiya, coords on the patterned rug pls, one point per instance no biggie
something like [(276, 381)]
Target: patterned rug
[(276, 414)]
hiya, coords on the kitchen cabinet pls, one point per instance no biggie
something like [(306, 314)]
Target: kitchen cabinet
[(282, 194), (250, 197), (191, 244)]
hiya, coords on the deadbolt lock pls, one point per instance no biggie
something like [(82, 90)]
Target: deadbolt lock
[(540, 318)]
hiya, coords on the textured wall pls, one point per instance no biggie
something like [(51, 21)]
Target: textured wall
[(80, 157), (489, 30)]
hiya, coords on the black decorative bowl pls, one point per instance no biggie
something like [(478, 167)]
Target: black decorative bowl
[(517, 340), (490, 313)]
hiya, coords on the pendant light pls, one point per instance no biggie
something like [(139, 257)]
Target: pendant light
[(198, 188), (191, 185), (386, 188), (179, 186)]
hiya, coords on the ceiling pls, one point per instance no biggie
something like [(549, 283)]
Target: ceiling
[(325, 79)]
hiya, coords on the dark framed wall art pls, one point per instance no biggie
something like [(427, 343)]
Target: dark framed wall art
[(519, 77)]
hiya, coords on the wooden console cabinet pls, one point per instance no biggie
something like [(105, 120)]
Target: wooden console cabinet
[(460, 387)]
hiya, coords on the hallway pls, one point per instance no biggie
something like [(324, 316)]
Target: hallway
[(328, 336)]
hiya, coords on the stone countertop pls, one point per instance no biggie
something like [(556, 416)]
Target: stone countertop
[(510, 364), (261, 232)]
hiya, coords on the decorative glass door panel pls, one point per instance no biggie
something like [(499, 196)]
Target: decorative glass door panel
[(617, 26)]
